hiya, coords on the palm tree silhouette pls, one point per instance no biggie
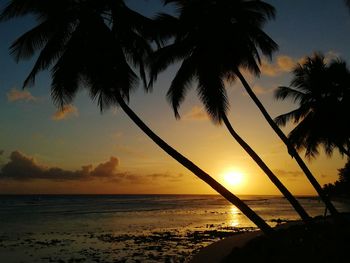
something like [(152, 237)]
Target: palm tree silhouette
[(90, 44), (217, 39), (213, 40), (347, 2), (322, 91)]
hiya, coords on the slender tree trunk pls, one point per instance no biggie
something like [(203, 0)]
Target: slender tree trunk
[(296, 205), (247, 211), (291, 150)]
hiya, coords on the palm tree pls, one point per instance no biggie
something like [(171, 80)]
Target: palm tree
[(225, 36), (347, 2), (213, 39), (322, 91), (90, 44)]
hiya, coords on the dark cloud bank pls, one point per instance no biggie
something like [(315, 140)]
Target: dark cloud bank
[(24, 168)]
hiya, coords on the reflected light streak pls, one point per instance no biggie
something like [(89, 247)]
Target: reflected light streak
[(234, 217)]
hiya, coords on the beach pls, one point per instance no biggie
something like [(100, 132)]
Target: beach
[(131, 228)]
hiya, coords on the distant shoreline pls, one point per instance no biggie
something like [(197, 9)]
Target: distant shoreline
[(49, 194)]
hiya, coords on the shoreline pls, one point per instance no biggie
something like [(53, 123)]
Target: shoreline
[(169, 245)]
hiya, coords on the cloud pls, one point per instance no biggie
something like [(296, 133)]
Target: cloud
[(331, 55), (66, 112), (282, 65), (25, 168), (172, 177), (196, 113), (22, 167), (285, 63), (261, 90), (286, 173), (106, 169), (20, 95)]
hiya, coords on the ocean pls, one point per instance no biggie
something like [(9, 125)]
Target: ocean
[(129, 228)]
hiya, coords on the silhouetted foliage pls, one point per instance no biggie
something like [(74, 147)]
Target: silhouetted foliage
[(322, 91), (213, 41), (96, 45), (344, 173), (84, 46), (347, 2), (341, 187)]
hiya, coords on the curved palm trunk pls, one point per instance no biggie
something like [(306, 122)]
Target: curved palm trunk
[(298, 208), (255, 218), (291, 149)]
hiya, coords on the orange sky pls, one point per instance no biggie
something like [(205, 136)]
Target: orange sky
[(80, 150)]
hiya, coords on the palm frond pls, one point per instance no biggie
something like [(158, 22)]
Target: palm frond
[(48, 55), (181, 83), (33, 40), (164, 57), (264, 42), (17, 8), (212, 93), (261, 7), (294, 115), (281, 93)]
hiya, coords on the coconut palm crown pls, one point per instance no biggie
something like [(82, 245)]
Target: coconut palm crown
[(86, 44), (212, 41), (96, 44), (322, 92), (215, 40)]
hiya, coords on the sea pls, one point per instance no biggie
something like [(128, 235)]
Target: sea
[(130, 228)]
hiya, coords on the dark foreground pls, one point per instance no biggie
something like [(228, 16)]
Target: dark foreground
[(323, 242)]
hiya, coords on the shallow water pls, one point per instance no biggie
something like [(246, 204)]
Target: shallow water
[(117, 228)]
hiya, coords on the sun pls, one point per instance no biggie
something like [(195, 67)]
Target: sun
[(233, 177)]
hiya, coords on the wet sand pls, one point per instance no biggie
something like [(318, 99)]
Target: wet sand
[(163, 246)]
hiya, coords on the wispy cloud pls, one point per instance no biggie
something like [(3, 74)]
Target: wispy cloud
[(258, 89), (172, 177), (285, 63), (282, 65), (65, 112), (196, 113), (287, 173), (330, 55), (19, 95)]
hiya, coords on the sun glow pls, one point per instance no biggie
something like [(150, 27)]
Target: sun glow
[(233, 177)]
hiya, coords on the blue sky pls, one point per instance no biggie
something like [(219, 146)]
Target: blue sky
[(84, 136)]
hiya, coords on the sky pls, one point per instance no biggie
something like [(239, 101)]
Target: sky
[(79, 150)]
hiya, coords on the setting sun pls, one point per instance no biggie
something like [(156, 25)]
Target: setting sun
[(233, 177)]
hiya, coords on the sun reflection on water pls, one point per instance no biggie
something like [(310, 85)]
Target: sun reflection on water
[(234, 217)]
